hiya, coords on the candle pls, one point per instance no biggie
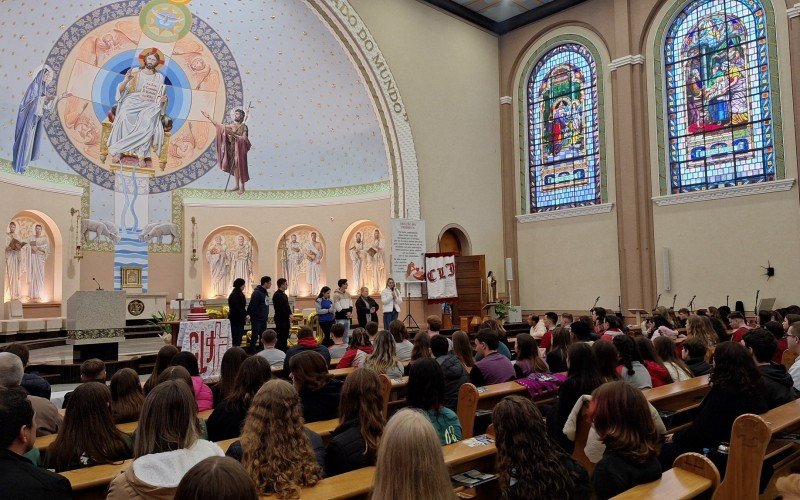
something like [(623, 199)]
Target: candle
[(180, 296)]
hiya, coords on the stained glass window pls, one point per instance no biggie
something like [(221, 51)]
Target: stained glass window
[(563, 134), (718, 97)]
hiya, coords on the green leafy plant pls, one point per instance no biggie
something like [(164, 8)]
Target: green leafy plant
[(501, 310)]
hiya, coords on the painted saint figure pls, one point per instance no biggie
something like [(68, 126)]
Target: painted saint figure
[(357, 258), (218, 260), (141, 100), (295, 263), (29, 128), (314, 253), (14, 267), (376, 253), (232, 147), (39, 247)]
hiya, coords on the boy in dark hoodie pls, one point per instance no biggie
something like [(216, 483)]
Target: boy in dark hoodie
[(694, 353), (455, 375), (305, 342), (779, 386)]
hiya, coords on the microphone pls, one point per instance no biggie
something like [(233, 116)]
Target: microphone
[(674, 298), (98, 283), (756, 308)]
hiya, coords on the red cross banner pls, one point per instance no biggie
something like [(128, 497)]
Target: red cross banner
[(208, 341)]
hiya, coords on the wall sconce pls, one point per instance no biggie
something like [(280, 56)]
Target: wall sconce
[(77, 254), (194, 257)]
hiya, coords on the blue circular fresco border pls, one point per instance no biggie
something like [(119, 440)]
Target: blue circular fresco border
[(98, 175)]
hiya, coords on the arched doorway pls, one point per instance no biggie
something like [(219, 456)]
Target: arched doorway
[(454, 239)]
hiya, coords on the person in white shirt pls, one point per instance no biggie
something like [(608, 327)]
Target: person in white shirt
[(391, 299), (343, 304), (794, 346), (274, 356), (537, 327)]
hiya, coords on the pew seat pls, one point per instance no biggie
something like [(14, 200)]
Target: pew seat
[(692, 474)]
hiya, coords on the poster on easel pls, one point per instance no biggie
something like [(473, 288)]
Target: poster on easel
[(408, 250)]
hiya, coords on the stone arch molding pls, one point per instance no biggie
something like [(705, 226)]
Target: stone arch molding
[(362, 48)]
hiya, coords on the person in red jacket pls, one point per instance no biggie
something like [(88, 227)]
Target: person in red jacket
[(357, 350), (652, 361), (739, 326)]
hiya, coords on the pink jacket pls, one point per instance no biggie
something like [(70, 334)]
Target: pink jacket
[(202, 394)]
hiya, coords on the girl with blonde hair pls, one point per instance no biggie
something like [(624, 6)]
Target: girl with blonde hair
[(167, 444), (410, 445), (701, 327), (383, 359), (276, 450)]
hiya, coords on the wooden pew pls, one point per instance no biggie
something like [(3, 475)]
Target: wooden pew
[(788, 358), (357, 484), (752, 443), (471, 399), (392, 390), (691, 474), (679, 397)]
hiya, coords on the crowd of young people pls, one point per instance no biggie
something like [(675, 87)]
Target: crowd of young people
[(604, 366)]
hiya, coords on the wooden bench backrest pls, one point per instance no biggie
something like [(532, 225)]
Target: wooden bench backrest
[(788, 358), (583, 425), (749, 439), (467, 404), (692, 474)]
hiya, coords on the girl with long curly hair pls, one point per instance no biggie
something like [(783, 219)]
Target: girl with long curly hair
[(410, 463), (623, 422), (354, 442), (736, 388), (383, 359), (276, 450), (701, 328), (529, 463), (88, 436)]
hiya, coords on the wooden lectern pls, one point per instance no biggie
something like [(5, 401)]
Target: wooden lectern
[(638, 313)]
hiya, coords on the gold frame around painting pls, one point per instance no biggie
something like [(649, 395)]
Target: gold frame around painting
[(135, 280)]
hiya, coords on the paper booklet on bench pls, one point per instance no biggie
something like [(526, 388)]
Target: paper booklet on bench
[(473, 478)]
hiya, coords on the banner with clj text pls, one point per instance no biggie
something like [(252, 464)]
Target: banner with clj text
[(440, 274)]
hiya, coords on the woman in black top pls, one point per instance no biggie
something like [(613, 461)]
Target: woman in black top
[(528, 458), (226, 420), (237, 311), (557, 357), (319, 392), (736, 389), (583, 377), (622, 419), (228, 369), (354, 443)]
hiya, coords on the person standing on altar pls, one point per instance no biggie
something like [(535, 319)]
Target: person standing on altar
[(258, 310), (366, 308), (232, 147), (325, 314), (283, 314), (344, 307), (141, 100), (390, 296), (314, 253), (237, 311)]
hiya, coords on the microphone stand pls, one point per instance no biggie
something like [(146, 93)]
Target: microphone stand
[(595, 303), (691, 304), (674, 298)]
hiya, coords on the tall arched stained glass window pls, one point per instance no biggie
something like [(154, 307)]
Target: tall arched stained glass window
[(563, 133), (718, 98)]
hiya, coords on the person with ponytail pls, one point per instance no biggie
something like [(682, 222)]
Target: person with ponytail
[(631, 365)]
